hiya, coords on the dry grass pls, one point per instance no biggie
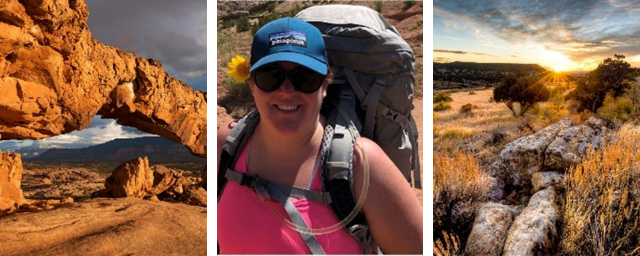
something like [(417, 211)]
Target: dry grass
[(457, 176), (447, 245), (602, 213), (454, 130)]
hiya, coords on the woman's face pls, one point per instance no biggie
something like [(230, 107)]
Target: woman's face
[(286, 109)]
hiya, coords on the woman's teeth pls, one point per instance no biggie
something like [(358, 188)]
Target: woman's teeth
[(288, 108)]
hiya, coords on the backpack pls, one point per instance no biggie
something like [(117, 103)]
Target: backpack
[(371, 60), (372, 95)]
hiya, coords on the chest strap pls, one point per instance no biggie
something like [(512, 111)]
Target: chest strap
[(266, 190), (290, 191)]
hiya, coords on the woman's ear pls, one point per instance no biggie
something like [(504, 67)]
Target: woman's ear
[(325, 86), (252, 85)]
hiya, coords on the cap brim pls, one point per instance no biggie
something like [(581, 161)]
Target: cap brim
[(294, 57)]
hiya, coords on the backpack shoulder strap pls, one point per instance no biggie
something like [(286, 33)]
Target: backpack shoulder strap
[(235, 141), (338, 176)]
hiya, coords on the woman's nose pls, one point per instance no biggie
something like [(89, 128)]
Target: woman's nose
[(287, 86)]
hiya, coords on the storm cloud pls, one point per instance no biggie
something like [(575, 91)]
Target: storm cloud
[(173, 32)]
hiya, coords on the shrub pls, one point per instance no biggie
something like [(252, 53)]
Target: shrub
[(235, 89), (467, 109), (601, 215), (457, 180), (243, 24), (408, 4), (525, 91), (616, 109), (472, 93), (611, 76), (457, 133), (442, 107), (442, 97), (553, 110), (379, 5)]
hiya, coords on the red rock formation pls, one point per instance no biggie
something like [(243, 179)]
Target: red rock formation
[(55, 77), (10, 192)]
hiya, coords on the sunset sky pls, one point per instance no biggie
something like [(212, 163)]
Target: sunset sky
[(565, 34)]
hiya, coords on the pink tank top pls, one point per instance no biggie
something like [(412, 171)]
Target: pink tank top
[(247, 225)]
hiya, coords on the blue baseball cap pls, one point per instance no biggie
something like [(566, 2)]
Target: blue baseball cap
[(291, 40)]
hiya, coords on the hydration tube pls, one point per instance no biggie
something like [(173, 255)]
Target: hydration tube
[(345, 221)]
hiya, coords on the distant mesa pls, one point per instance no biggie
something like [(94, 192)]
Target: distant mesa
[(458, 75), (157, 149)]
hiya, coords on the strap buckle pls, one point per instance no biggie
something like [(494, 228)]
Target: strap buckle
[(361, 233)]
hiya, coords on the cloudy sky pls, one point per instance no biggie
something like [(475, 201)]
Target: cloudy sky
[(173, 32), (564, 34)]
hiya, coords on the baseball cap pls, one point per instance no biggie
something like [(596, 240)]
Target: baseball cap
[(291, 40)]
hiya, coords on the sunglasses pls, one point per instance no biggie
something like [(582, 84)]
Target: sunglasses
[(270, 77)]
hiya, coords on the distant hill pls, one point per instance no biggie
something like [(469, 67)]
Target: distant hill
[(157, 149), (470, 74)]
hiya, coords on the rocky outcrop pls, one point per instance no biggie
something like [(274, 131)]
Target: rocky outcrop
[(525, 156), (136, 179), (55, 77), (489, 229), (124, 226), (569, 145), (553, 148), (131, 179), (534, 231), (10, 177), (542, 180)]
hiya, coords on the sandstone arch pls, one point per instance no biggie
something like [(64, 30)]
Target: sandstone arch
[(55, 77)]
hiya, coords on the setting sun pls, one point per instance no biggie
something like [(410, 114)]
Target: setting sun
[(559, 68)]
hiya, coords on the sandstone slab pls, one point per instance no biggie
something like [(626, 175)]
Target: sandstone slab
[(123, 226)]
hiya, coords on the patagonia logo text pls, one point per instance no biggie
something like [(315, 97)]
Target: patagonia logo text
[(288, 38)]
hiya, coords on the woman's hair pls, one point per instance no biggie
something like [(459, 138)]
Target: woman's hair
[(329, 77)]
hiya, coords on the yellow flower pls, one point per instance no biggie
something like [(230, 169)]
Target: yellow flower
[(239, 69)]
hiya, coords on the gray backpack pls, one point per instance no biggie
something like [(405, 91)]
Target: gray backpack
[(371, 61)]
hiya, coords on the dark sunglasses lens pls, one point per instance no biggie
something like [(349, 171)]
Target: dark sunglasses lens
[(269, 78), (306, 80)]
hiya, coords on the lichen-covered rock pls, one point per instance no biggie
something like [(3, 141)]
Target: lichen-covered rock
[(55, 77), (542, 180), (525, 156), (489, 229), (570, 145), (10, 177), (534, 231)]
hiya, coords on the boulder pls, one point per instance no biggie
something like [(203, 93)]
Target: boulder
[(570, 145), (525, 156), (534, 231), (131, 179), (489, 230), (55, 77), (10, 178), (542, 180)]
